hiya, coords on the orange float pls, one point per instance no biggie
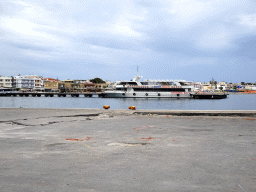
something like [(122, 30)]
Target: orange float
[(132, 107), (106, 106)]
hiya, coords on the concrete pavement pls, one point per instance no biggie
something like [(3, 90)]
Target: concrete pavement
[(124, 150)]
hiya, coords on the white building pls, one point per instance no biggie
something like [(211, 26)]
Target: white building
[(198, 86), (28, 82), (38, 80), (5, 82), (23, 82), (250, 87), (223, 85)]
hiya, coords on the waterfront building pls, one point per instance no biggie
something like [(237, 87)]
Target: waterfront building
[(23, 82), (75, 85), (250, 87), (222, 86), (82, 81), (51, 86), (50, 80), (198, 86), (38, 81), (100, 85), (67, 81), (207, 87), (5, 82), (28, 82), (83, 86)]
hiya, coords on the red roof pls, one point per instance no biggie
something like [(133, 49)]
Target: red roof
[(50, 79)]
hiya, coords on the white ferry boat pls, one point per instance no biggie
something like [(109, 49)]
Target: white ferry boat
[(150, 89)]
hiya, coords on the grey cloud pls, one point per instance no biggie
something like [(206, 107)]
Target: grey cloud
[(148, 3), (30, 47), (115, 43)]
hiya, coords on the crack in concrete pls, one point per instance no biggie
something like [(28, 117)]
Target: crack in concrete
[(15, 123), (54, 144), (88, 117), (225, 114), (121, 144), (48, 123), (80, 115)]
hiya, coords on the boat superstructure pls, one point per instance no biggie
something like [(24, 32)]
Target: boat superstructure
[(150, 89)]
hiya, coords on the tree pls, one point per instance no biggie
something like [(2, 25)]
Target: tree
[(213, 83), (221, 88), (97, 80), (242, 83)]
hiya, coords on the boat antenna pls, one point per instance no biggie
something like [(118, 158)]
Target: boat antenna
[(137, 77)]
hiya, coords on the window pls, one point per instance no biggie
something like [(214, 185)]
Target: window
[(127, 83), (132, 83), (160, 89), (121, 89)]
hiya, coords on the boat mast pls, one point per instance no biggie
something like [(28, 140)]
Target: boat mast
[(137, 77)]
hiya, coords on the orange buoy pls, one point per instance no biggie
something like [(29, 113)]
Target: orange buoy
[(106, 106), (132, 107)]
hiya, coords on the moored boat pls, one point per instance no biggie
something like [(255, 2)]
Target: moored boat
[(150, 89)]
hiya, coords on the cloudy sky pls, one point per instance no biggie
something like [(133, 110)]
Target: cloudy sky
[(168, 39)]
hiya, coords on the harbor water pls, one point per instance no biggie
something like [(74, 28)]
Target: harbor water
[(234, 101)]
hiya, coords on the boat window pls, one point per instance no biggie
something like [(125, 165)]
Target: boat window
[(127, 83), (132, 83), (165, 83), (172, 83), (121, 89), (159, 89)]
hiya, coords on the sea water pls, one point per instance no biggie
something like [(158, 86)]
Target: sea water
[(234, 101)]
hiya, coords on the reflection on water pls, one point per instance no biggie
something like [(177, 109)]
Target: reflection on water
[(233, 102)]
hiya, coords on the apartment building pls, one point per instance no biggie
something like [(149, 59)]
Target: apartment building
[(23, 82), (48, 85), (250, 87), (207, 87), (222, 86), (5, 82), (39, 80), (50, 80)]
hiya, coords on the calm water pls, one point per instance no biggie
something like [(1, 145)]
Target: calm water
[(232, 102)]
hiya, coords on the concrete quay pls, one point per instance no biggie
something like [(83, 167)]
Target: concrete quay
[(125, 150)]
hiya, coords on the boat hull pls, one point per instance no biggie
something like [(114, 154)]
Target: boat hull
[(115, 94)]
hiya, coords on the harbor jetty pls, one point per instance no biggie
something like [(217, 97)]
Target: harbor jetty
[(127, 150), (49, 94)]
